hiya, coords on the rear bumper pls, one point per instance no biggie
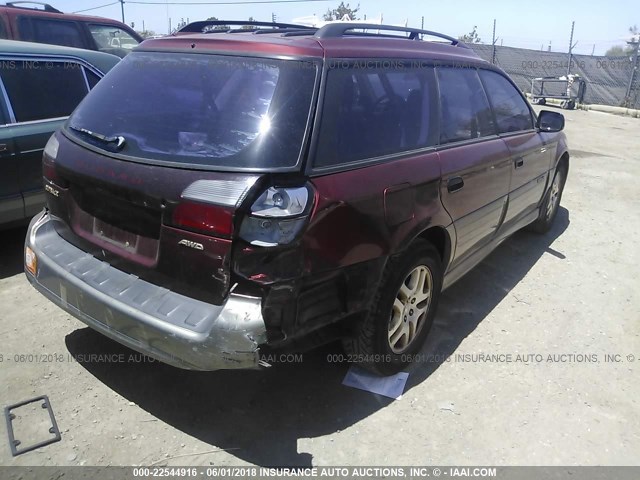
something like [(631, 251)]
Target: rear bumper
[(167, 326)]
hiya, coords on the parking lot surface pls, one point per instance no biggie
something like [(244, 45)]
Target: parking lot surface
[(533, 360)]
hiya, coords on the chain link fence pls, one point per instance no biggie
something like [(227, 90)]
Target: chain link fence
[(608, 78)]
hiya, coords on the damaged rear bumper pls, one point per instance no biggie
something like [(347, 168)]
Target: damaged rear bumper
[(167, 326)]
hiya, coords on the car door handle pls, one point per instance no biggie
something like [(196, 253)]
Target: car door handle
[(519, 162), (454, 184)]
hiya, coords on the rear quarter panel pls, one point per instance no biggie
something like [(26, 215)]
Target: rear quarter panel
[(374, 211)]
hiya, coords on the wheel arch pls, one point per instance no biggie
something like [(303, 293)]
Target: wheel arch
[(563, 162), (438, 237)]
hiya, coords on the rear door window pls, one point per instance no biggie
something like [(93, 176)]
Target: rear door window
[(42, 89), (465, 112), (370, 113), (511, 110), (54, 32)]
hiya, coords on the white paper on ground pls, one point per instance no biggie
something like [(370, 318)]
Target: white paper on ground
[(392, 386)]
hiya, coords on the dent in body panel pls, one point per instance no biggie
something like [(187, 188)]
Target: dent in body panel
[(156, 321), (334, 270), (357, 221)]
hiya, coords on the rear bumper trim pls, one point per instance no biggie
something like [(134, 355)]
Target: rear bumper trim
[(157, 322)]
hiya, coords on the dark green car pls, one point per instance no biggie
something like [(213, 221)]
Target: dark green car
[(40, 85)]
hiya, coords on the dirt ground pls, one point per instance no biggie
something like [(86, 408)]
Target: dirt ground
[(556, 315)]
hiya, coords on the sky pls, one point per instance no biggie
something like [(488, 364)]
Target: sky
[(598, 25)]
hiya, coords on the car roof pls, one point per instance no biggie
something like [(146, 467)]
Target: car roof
[(102, 61), (312, 43), (37, 12)]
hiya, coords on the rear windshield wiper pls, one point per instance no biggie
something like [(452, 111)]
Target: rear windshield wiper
[(118, 140)]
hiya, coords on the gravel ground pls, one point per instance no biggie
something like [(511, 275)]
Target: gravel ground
[(549, 309)]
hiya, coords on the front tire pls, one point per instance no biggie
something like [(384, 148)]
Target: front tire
[(402, 312), (551, 204)]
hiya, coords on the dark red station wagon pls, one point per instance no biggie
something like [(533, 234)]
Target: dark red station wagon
[(222, 193)]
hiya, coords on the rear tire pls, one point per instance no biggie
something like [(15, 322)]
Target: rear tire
[(402, 312), (551, 204)]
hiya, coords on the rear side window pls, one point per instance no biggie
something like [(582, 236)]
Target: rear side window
[(42, 89), (54, 32), (369, 113), (511, 111), (231, 112), (465, 112)]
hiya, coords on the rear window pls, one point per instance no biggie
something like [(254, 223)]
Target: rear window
[(219, 111)]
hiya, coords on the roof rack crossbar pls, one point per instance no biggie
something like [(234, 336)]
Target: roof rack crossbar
[(198, 27), (334, 30), (46, 6)]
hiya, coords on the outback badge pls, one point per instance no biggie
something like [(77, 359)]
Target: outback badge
[(51, 190)]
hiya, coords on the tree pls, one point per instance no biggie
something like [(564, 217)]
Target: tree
[(471, 37), (146, 33), (621, 51), (217, 27), (341, 11), (617, 51)]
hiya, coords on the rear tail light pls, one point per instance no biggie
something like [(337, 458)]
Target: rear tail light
[(204, 218), (49, 162), (51, 148), (208, 206), (49, 170), (277, 216)]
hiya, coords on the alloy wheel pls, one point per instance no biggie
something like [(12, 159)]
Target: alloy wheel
[(554, 195), (410, 309)]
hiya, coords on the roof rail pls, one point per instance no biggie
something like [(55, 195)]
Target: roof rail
[(198, 27), (334, 30), (47, 7), (286, 32)]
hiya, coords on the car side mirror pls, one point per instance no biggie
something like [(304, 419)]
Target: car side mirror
[(549, 121)]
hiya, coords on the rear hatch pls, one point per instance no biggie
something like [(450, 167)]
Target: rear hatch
[(153, 170)]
